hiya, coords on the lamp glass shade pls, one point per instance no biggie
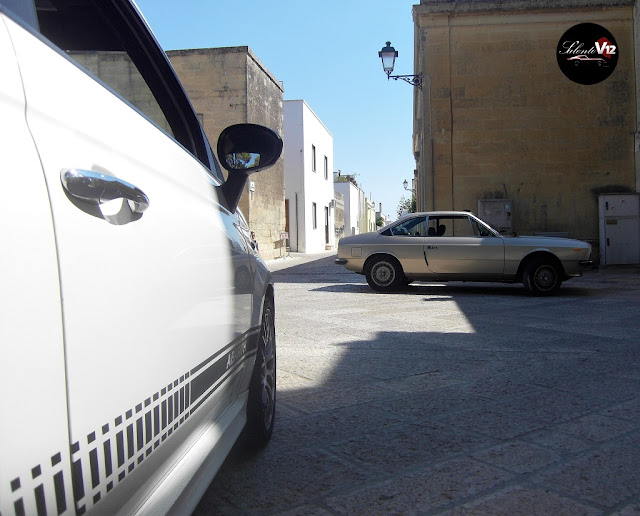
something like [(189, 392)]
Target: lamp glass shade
[(388, 55)]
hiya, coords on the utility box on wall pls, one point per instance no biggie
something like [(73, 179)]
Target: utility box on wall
[(619, 229), (497, 213)]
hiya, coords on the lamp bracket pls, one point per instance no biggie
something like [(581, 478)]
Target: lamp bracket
[(414, 80)]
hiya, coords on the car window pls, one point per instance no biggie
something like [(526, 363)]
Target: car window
[(116, 69), (24, 10), (415, 226), (109, 40), (480, 230), (452, 226)]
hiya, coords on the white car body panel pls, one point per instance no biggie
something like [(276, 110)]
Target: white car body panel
[(29, 279), (132, 335), (130, 271)]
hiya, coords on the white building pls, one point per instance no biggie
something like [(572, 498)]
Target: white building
[(308, 179), (354, 205)]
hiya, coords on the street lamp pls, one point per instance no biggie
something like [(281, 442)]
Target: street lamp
[(406, 184), (388, 55)]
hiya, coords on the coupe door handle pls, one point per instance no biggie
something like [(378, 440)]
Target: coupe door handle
[(99, 188)]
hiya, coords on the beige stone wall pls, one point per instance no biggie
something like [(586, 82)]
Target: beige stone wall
[(266, 204), (230, 86), (507, 122), (118, 71)]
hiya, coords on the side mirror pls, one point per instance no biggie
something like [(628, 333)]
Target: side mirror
[(244, 149)]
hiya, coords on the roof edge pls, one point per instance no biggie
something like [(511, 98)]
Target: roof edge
[(474, 6)]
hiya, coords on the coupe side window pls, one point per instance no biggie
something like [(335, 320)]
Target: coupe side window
[(416, 226), (456, 226), (480, 230)]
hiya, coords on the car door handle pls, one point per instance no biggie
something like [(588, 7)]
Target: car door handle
[(99, 188)]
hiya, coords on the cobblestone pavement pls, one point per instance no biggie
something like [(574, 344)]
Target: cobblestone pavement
[(456, 399)]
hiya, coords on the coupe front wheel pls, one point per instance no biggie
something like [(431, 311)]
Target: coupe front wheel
[(385, 274), (541, 277)]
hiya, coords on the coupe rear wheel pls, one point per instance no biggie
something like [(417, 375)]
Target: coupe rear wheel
[(261, 406), (541, 277), (385, 274)]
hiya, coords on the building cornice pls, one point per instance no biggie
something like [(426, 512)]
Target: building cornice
[(228, 50), (476, 6)]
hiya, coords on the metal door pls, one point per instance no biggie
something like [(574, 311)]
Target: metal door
[(619, 229)]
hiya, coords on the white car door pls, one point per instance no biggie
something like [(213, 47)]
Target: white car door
[(146, 278), (34, 478)]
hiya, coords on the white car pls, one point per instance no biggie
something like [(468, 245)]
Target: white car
[(137, 335)]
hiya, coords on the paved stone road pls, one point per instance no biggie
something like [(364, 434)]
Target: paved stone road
[(447, 399)]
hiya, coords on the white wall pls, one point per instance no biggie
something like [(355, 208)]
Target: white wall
[(352, 213), (302, 131), (294, 172)]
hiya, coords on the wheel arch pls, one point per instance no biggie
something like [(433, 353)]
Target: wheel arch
[(379, 254), (539, 254)]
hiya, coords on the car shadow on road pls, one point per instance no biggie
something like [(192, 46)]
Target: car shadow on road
[(453, 289)]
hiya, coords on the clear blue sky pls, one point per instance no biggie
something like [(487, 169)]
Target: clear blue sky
[(326, 53)]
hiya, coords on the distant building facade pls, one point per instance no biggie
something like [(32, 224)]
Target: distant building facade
[(231, 86), (497, 118), (354, 204), (370, 215), (308, 166), (338, 216)]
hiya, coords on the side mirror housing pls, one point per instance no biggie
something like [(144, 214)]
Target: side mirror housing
[(245, 149)]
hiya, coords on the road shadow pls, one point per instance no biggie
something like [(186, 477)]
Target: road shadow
[(380, 399), (452, 289), (411, 409)]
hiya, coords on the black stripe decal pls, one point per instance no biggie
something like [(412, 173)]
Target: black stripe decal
[(130, 446), (97, 465), (245, 336), (18, 507), (78, 482), (204, 398), (58, 485), (41, 504), (108, 466), (95, 474), (147, 427)]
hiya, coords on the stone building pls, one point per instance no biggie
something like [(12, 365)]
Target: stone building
[(498, 118), (231, 86)]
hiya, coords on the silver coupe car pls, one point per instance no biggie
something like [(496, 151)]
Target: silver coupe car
[(458, 246)]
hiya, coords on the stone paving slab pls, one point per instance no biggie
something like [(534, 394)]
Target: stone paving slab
[(455, 399)]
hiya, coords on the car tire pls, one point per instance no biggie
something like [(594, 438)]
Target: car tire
[(541, 277), (261, 405), (385, 274)]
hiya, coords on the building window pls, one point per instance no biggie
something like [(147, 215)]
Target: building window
[(314, 215), (313, 158), (326, 168)]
